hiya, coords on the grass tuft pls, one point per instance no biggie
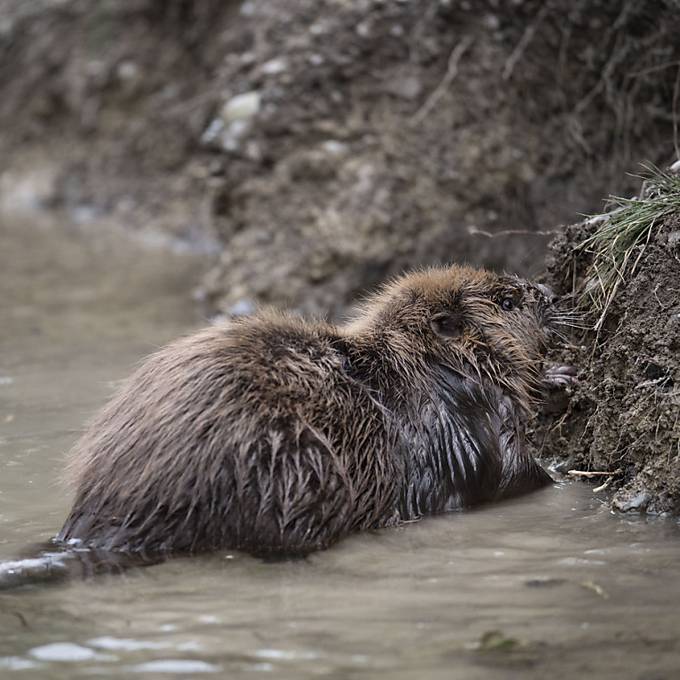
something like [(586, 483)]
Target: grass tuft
[(620, 240)]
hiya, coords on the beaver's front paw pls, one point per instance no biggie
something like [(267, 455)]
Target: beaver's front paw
[(558, 377)]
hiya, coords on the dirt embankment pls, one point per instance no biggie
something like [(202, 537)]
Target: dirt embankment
[(623, 421), (321, 145)]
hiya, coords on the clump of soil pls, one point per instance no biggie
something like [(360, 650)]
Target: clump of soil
[(624, 415), (322, 145)]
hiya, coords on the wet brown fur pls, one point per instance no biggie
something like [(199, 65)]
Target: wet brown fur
[(281, 436)]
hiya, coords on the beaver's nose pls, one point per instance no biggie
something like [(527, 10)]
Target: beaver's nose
[(548, 293)]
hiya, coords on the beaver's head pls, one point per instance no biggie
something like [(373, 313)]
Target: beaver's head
[(486, 326)]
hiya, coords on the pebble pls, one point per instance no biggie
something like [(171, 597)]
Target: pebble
[(233, 123), (241, 107), (334, 147), (638, 502), (274, 66)]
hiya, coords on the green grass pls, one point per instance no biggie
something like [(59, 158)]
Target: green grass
[(620, 240)]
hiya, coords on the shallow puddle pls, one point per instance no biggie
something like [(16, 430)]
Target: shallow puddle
[(547, 586)]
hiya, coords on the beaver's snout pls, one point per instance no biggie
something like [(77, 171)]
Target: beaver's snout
[(548, 293), (545, 308)]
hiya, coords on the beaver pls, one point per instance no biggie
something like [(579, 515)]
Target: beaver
[(279, 436)]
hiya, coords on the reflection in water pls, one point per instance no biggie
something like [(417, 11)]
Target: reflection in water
[(550, 585)]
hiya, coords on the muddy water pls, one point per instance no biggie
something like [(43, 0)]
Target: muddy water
[(550, 585)]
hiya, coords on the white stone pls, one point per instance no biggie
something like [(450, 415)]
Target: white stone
[(334, 147), (274, 66), (230, 139), (241, 107)]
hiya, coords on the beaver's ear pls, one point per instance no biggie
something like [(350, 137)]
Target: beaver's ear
[(447, 324)]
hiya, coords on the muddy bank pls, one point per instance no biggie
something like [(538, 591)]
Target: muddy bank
[(623, 420), (320, 146)]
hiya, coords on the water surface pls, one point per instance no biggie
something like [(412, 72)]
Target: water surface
[(547, 586)]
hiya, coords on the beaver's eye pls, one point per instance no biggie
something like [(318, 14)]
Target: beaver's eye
[(507, 304)]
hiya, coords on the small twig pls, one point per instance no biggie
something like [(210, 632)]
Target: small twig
[(523, 43), (451, 72), (474, 231), (652, 69), (602, 487), (592, 473), (653, 383)]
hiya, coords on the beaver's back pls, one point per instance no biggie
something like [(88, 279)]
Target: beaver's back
[(251, 435)]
